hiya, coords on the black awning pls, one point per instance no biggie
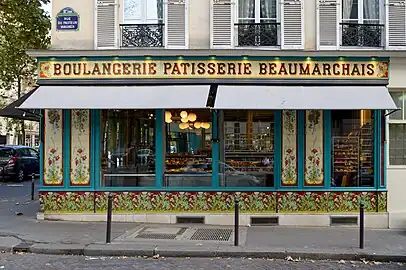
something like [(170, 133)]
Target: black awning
[(11, 110)]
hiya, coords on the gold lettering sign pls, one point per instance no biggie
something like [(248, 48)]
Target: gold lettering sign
[(213, 69)]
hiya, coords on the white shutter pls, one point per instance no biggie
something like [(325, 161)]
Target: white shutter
[(292, 24), (106, 24), (221, 24), (176, 24), (395, 24), (328, 17)]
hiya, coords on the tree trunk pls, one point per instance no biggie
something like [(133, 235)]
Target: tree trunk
[(21, 139)]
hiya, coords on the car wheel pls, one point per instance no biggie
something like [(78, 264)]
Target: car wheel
[(20, 175)]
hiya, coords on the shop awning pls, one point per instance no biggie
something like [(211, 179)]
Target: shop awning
[(304, 97), (118, 97), (12, 111)]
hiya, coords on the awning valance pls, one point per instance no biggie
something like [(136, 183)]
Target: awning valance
[(304, 97), (118, 97)]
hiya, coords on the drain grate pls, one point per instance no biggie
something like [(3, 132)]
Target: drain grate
[(212, 234), (156, 236)]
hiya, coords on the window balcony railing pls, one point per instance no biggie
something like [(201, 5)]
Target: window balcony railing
[(362, 35), (142, 35), (257, 34)]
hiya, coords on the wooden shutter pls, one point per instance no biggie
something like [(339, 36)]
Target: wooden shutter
[(221, 24), (328, 16), (176, 24), (106, 24), (395, 24), (292, 24)]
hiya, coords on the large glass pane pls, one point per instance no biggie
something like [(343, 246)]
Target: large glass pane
[(397, 144), (133, 11), (188, 148), (155, 10), (268, 9), (371, 11), (352, 149), (128, 148), (248, 149), (398, 99), (350, 10), (246, 9)]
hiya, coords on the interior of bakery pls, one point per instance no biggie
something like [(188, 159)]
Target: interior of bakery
[(207, 149)]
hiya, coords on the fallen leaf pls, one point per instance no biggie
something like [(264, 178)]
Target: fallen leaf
[(270, 260), (289, 258), (156, 256), (17, 203), (377, 263), (250, 259), (364, 261), (91, 258), (341, 262)]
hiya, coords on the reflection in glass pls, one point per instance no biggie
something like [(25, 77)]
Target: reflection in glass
[(188, 148), (397, 144), (248, 159), (128, 148), (398, 98), (352, 149)]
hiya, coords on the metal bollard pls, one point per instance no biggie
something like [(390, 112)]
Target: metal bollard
[(361, 226), (109, 213), (32, 186), (236, 222)]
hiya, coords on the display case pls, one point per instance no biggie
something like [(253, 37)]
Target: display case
[(346, 154), (187, 163)]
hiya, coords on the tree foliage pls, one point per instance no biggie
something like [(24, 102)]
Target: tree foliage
[(24, 25)]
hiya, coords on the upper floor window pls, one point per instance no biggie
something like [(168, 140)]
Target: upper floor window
[(143, 11), (257, 23), (143, 23), (361, 23), (397, 131)]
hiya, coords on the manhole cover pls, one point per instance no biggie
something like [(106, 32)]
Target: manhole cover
[(212, 234), (156, 236)]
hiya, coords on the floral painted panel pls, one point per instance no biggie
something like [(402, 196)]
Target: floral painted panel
[(289, 148), (213, 202), (53, 148), (314, 169), (80, 148)]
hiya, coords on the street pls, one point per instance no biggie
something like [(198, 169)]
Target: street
[(31, 261)]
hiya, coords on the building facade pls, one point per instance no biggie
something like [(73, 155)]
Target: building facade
[(180, 107)]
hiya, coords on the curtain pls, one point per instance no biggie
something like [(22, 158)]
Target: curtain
[(268, 10), (246, 9), (371, 11), (348, 6)]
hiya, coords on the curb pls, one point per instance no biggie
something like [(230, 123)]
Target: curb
[(209, 252)]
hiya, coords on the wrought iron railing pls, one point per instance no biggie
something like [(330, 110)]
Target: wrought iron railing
[(142, 35), (258, 34), (362, 35)]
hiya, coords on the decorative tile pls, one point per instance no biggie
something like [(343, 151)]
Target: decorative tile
[(67, 201), (53, 148), (213, 202), (314, 146), (80, 148), (289, 148), (382, 201)]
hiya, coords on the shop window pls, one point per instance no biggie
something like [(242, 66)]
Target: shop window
[(248, 159), (128, 148), (397, 131), (352, 149), (188, 148)]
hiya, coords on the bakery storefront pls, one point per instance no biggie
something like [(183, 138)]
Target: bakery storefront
[(185, 136)]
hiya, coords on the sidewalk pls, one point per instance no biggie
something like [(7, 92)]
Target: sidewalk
[(186, 240)]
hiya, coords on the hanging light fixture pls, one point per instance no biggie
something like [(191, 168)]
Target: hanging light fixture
[(184, 120), (197, 125), (206, 125), (183, 126), (168, 120), (168, 114), (192, 117), (183, 114)]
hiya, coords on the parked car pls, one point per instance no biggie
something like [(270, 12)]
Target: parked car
[(18, 162)]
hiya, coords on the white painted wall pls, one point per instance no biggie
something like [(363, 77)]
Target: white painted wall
[(75, 40)]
